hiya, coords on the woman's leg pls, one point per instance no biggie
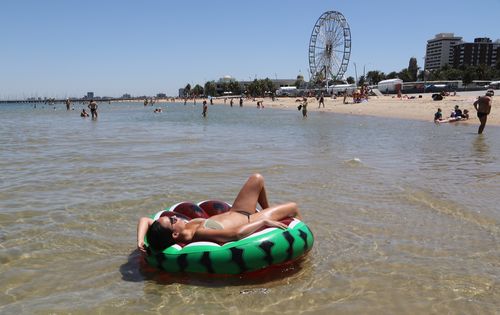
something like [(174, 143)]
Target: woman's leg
[(252, 192), (482, 120)]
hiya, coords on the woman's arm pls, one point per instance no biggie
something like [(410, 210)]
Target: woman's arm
[(142, 227), (249, 228)]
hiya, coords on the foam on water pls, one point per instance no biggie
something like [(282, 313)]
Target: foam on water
[(354, 162)]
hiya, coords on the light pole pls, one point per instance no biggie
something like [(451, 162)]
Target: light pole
[(426, 72), (326, 77), (356, 74), (426, 75)]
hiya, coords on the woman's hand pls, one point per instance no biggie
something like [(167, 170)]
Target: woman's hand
[(272, 223), (140, 246), (249, 228), (142, 227)]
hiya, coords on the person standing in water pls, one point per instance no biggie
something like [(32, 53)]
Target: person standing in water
[(205, 108), (483, 108), (68, 104), (304, 107), (93, 109)]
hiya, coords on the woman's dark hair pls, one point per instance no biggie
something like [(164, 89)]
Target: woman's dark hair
[(159, 237)]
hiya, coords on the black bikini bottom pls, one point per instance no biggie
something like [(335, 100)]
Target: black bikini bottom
[(245, 213)]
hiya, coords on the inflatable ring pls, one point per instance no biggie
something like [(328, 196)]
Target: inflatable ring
[(264, 248)]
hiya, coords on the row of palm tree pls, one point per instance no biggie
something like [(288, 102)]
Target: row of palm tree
[(211, 88), (447, 73)]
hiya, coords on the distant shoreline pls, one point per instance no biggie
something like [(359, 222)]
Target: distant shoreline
[(412, 106), (390, 106)]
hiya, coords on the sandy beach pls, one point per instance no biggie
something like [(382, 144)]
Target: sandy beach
[(387, 106)]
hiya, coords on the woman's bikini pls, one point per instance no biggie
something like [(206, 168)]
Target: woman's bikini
[(245, 213), (212, 225)]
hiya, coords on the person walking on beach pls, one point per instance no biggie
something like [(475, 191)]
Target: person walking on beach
[(205, 108), (321, 101), (483, 107), (93, 109), (241, 102)]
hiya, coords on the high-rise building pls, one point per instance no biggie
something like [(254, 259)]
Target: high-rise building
[(481, 51), (439, 50)]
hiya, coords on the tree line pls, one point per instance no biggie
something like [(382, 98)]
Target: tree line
[(413, 73), (255, 89)]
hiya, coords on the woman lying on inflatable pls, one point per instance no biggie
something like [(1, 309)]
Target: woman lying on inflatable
[(239, 221)]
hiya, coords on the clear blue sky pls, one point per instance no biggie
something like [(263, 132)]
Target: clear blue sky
[(59, 48)]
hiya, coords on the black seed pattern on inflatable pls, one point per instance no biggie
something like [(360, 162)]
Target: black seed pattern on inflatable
[(207, 262), (303, 236), (266, 247), (237, 257), (182, 262), (288, 236), (160, 259)]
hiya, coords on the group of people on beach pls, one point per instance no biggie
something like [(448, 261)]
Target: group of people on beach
[(482, 106), (456, 115), (360, 95)]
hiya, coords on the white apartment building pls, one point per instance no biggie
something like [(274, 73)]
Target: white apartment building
[(439, 50)]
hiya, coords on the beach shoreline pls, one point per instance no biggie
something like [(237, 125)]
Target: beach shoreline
[(416, 108), (390, 106)]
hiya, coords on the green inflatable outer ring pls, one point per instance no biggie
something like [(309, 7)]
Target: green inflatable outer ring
[(269, 247)]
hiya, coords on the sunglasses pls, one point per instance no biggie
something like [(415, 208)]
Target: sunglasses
[(172, 219)]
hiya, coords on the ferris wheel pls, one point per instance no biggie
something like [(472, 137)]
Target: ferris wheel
[(330, 47)]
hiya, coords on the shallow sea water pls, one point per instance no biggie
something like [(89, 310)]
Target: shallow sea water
[(405, 213)]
